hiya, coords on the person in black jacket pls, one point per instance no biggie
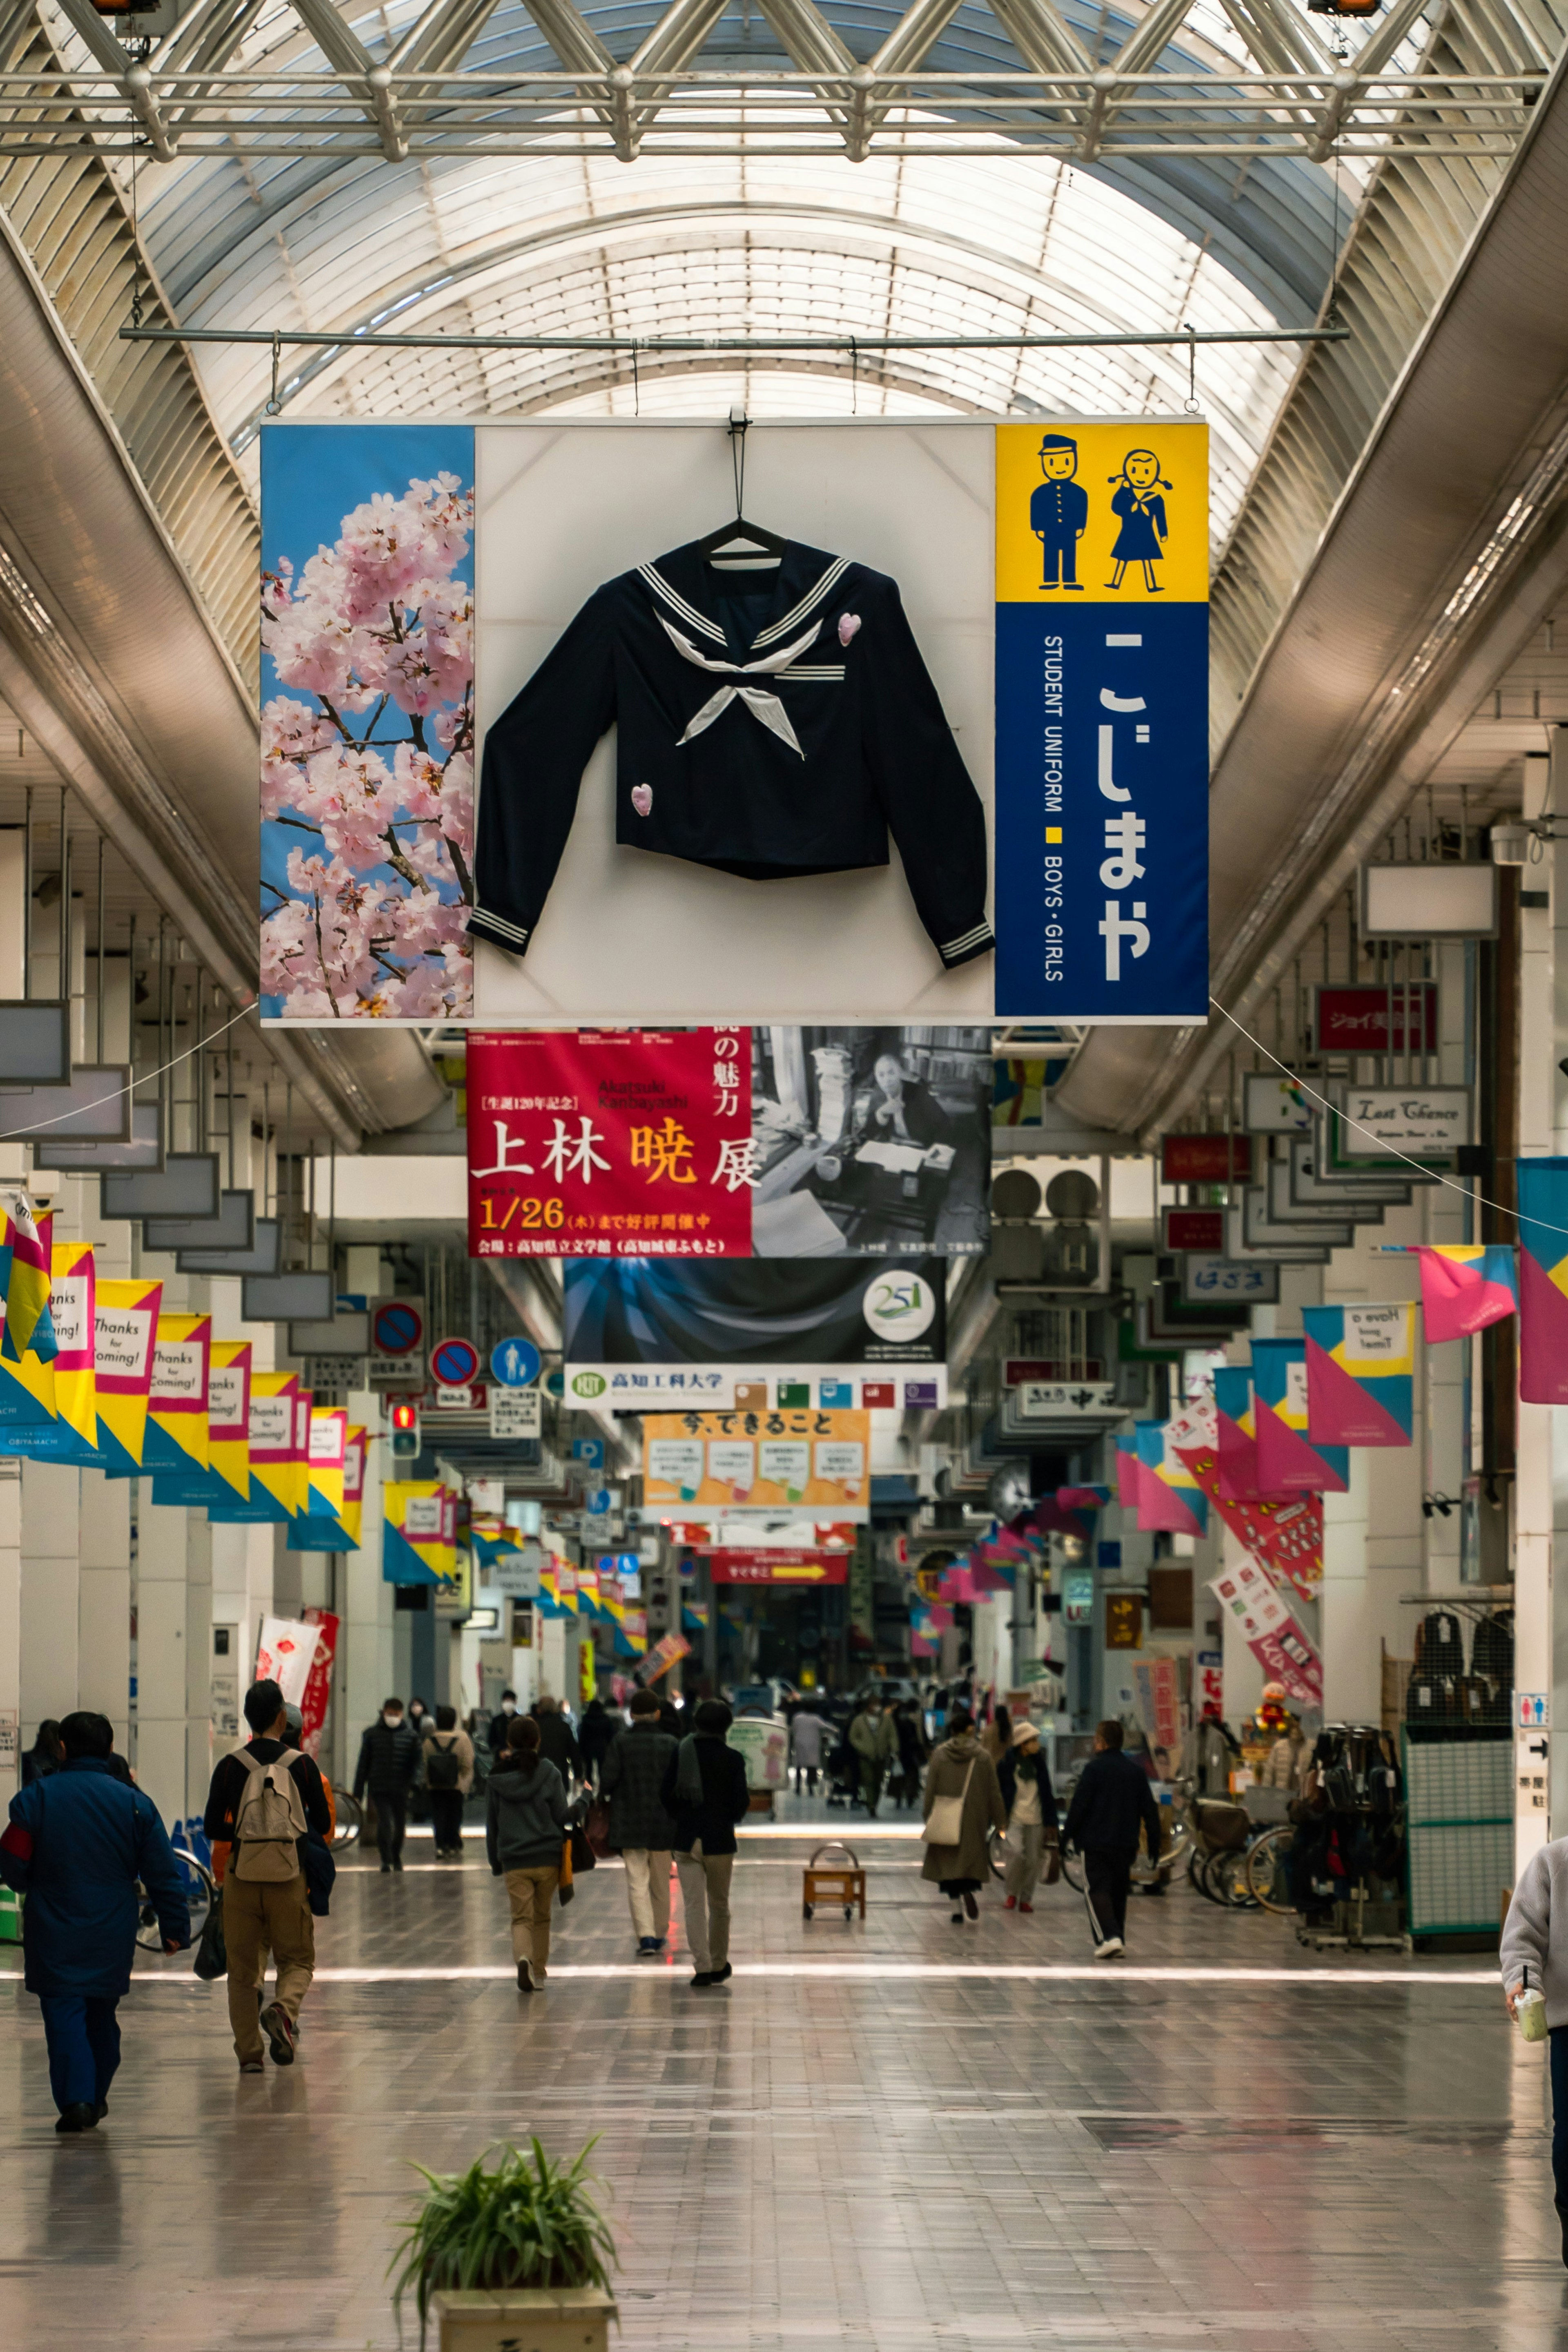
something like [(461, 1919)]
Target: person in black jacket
[(1112, 1802), (558, 1741), (705, 1789), (631, 1778), (597, 1735), (388, 1760)]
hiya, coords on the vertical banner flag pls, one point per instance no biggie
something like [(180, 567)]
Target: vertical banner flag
[(125, 1324), (1465, 1286), (27, 1282), (1236, 1434), (1128, 1475), (1170, 1499), (1102, 721), (1543, 1280), (319, 1681), (177, 1403), (1288, 1462), (228, 1419), (1247, 1595), (72, 1312), (1360, 1365), (285, 1655), (1285, 1536)]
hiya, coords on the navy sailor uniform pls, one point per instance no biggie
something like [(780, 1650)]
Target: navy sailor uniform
[(769, 723)]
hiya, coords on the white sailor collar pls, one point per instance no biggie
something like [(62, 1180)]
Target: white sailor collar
[(681, 585)]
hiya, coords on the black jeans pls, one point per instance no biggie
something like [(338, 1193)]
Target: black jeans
[(1108, 1877), (391, 1820), (1559, 2044), (446, 1817)]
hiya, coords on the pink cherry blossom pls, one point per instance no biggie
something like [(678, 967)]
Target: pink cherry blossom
[(368, 759)]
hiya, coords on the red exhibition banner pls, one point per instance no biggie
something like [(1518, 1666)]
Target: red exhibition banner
[(1287, 1536), (627, 1143), (319, 1681)]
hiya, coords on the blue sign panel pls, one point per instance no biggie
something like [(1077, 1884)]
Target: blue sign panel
[(1103, 723), (515, 1363)]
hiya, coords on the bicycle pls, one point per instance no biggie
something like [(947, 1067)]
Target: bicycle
[(200, 1891), (1268, 1876), (350, 1817)]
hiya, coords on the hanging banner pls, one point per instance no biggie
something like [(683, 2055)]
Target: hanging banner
[(1465, 1286), (1285, 1537), (1129, 1476), (177, 1400), (1543, 1280), (73, 1436), (666, 1653), (367, 721), (757, 1459), (319, 1681), (125, 1322), (1236, 1434), (29, 1241), (778, 1142), (1170, 1500), (1157, 1697), (1288, 1462), (1271, 1631), (228, 1417), (416, 1546), (1356, 1016), (1102, 721), (284, 1655), (689, 1318), (1361, 1364), (326, 1447), (617, 1143), (269, 1431)]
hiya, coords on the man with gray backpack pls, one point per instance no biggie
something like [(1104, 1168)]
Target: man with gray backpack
[(263, 1804)]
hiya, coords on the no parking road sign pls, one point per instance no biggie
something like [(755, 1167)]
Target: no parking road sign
[(454, 1363), (398, 1326)]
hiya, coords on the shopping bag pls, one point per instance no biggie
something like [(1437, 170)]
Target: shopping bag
[(597, 1829), (583, 1856), (211, 1952)]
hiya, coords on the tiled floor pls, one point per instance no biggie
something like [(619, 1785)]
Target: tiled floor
[(881, 2139)]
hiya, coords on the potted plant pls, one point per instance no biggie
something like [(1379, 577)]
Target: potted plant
[(510, 2258)]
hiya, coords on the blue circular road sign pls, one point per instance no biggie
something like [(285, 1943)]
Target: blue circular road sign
[(455, 1363), (398, 1326), (515, 1363)]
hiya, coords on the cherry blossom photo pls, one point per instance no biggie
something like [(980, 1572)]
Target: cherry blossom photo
[(367, 723)]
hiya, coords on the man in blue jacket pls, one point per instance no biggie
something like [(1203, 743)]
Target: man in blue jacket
[(77, 1844)]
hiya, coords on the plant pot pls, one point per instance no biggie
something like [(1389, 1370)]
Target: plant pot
[(524, 2319)]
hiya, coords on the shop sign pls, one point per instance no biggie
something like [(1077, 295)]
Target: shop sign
[(1124, 1621), (757, 1458), (517, 1574), (1369, 1125), (1078, 1596), (763, 1566), (1194, 1229), (1275, 1105), (1102, 721), (1067, 1401), (1206, 1159), (1208, 1280), (516, 1413), (1353, 1017)]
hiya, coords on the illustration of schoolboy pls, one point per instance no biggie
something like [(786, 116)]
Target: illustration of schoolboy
[(1059, 513), (1136, 498)]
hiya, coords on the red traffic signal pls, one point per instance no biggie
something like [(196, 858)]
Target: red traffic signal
[(405, 1416)]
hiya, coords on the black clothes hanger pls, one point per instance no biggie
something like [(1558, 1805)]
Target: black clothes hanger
[(739, 534)]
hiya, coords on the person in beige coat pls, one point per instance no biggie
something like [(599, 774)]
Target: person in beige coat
[(448, 1777), (961, 1768)]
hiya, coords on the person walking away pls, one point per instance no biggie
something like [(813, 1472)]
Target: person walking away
[(388, 1760), (1025, 1780), (525, 1828), (448, 1777), (631, 1779), (262, 1805), (597, 1735), (1529, 1963), (913, 1750), (997, 1736), (501, 1722), (46, 1755), (875, 1743), (961, 1770), (1112, 1802), (77, 1841), (705, 1790), (806, 1736), (558, 1741)]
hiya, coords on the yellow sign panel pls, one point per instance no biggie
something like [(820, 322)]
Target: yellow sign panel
[(1099, 514), (819, 1460)]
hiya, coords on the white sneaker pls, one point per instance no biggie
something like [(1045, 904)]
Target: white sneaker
[(1112, 1950)]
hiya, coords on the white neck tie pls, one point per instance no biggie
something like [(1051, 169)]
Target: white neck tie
[(761, 705)]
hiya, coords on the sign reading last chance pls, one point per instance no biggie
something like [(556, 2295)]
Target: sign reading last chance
[(1102, 721)]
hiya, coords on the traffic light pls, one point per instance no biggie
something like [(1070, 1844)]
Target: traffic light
[(405, 1432)]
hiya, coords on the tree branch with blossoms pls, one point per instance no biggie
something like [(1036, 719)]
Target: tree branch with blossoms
[(374, 923)]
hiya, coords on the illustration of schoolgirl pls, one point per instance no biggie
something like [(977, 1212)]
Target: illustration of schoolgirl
[(1136, 498)]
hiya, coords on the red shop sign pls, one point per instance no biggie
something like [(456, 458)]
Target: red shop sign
[(1204, 1158), (1196, 1229), (778, 1567), (630, 1143), (1353, 1019)]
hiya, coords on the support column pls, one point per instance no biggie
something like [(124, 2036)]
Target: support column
[(10, 1627), (162, 1679), (1534, 1496), (105, 1609), (51, 1507)]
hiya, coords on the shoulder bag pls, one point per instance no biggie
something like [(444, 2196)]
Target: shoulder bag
[(944, 1822)]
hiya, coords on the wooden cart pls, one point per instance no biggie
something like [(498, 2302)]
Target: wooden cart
[(834, 1882)]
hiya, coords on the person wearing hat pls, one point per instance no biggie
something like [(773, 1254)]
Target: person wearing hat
[(1031, 1805), (1059, 513)]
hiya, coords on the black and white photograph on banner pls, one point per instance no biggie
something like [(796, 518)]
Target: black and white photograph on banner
[(870, 1141)]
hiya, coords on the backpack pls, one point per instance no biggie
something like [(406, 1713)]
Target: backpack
[(442, 1769), (269, 1820)]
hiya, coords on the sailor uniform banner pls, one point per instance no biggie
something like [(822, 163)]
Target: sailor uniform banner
[(1288, 1461), (1361, 1363), (1543, 1280), (1465, 1286), (772, 723), (1102, 721)]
